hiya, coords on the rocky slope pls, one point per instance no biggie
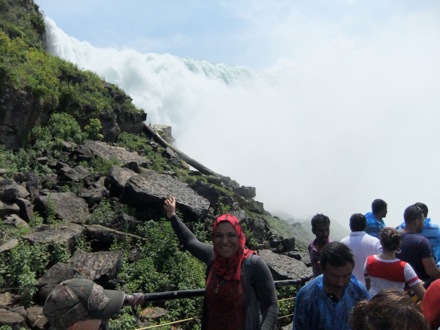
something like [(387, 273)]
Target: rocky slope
[(83, 203)]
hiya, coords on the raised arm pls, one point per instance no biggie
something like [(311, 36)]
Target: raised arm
[(202, 251)]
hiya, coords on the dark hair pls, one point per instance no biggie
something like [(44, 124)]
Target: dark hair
[(319, 219), (423, 207), (378, 205), (390, 239), (390, 309), (412, 213), (336, 254), (358, 222)]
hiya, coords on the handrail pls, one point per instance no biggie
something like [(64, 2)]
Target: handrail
[(169, 295)]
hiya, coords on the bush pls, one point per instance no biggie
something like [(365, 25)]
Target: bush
[(21, 267)]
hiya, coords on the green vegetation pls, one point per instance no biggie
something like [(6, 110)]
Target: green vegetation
[(23, 265), (22, 22), (68, 106)]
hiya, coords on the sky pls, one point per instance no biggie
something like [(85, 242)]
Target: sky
[(322, 106)]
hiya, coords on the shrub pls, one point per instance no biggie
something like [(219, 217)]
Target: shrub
[(21, 267)]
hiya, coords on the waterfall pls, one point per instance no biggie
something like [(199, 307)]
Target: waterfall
[(323, 134)]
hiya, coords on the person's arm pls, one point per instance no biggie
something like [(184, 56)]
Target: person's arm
[(265, 290), (367, 277), (368, 284), (202, 251), (431, 268), (419, 290), (413, 281)]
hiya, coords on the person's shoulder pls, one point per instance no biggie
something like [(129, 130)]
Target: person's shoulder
[(315, 284), (414, 238), (371, 239), (345, 240), (254, 260), (430, 225)]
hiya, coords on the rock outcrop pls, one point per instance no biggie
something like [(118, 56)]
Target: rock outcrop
[(130, 183)]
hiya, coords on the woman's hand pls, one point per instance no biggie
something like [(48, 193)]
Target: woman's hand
[(170, 206)]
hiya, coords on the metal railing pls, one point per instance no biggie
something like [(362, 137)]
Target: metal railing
[(169, 295)]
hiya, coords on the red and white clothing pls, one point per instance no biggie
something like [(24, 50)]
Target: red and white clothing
[(388, 274)]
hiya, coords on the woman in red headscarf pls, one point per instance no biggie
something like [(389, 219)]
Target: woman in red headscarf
[(240, 293)]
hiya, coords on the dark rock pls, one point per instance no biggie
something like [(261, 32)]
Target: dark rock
[(151, 188), (11, 190), (8, 299), (15, 220), (33, 185), (246, 192), (106, 236), (14, 320), (102, 266), (6, 209), (255, 206), (117, 179), (288, 244), (283, 267), (95, 195), (9, 245), (26, 209), (208, 191), (106, 151), (65, 235), (35, 317), (68, 207), (58, 273)]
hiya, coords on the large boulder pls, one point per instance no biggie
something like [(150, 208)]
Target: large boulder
[(284, 267), (150, 189), (67, 206)]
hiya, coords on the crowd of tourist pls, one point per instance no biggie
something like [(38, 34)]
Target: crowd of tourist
[(377, 277)]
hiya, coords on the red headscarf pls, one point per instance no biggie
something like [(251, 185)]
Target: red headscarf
[(230, 268)]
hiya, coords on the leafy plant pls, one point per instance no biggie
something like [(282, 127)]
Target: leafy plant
[(103, 213), (93, 129), (21, 267)]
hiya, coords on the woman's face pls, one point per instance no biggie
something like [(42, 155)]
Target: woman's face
[(225, 239)]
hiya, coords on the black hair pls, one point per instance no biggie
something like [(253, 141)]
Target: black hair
[(319, 219), (412, 213), (390, 239), (336, 254), (358, 222), (378, 205), (423, 207)]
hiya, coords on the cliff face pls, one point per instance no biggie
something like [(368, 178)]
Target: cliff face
[(34, 84), (94, 209)]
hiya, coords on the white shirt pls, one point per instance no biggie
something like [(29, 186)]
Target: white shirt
[(362, 245)]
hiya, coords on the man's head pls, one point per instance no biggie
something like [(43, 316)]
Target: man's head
[(81, 304), (321, 227), (379, 208), (358, 222), (414, 218), (337, 263), (423, 207)]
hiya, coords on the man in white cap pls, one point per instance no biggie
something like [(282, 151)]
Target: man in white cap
[(80, 304)]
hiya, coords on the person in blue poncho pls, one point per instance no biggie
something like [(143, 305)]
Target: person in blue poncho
[(325, 303), (430, 230), (375, 223)]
